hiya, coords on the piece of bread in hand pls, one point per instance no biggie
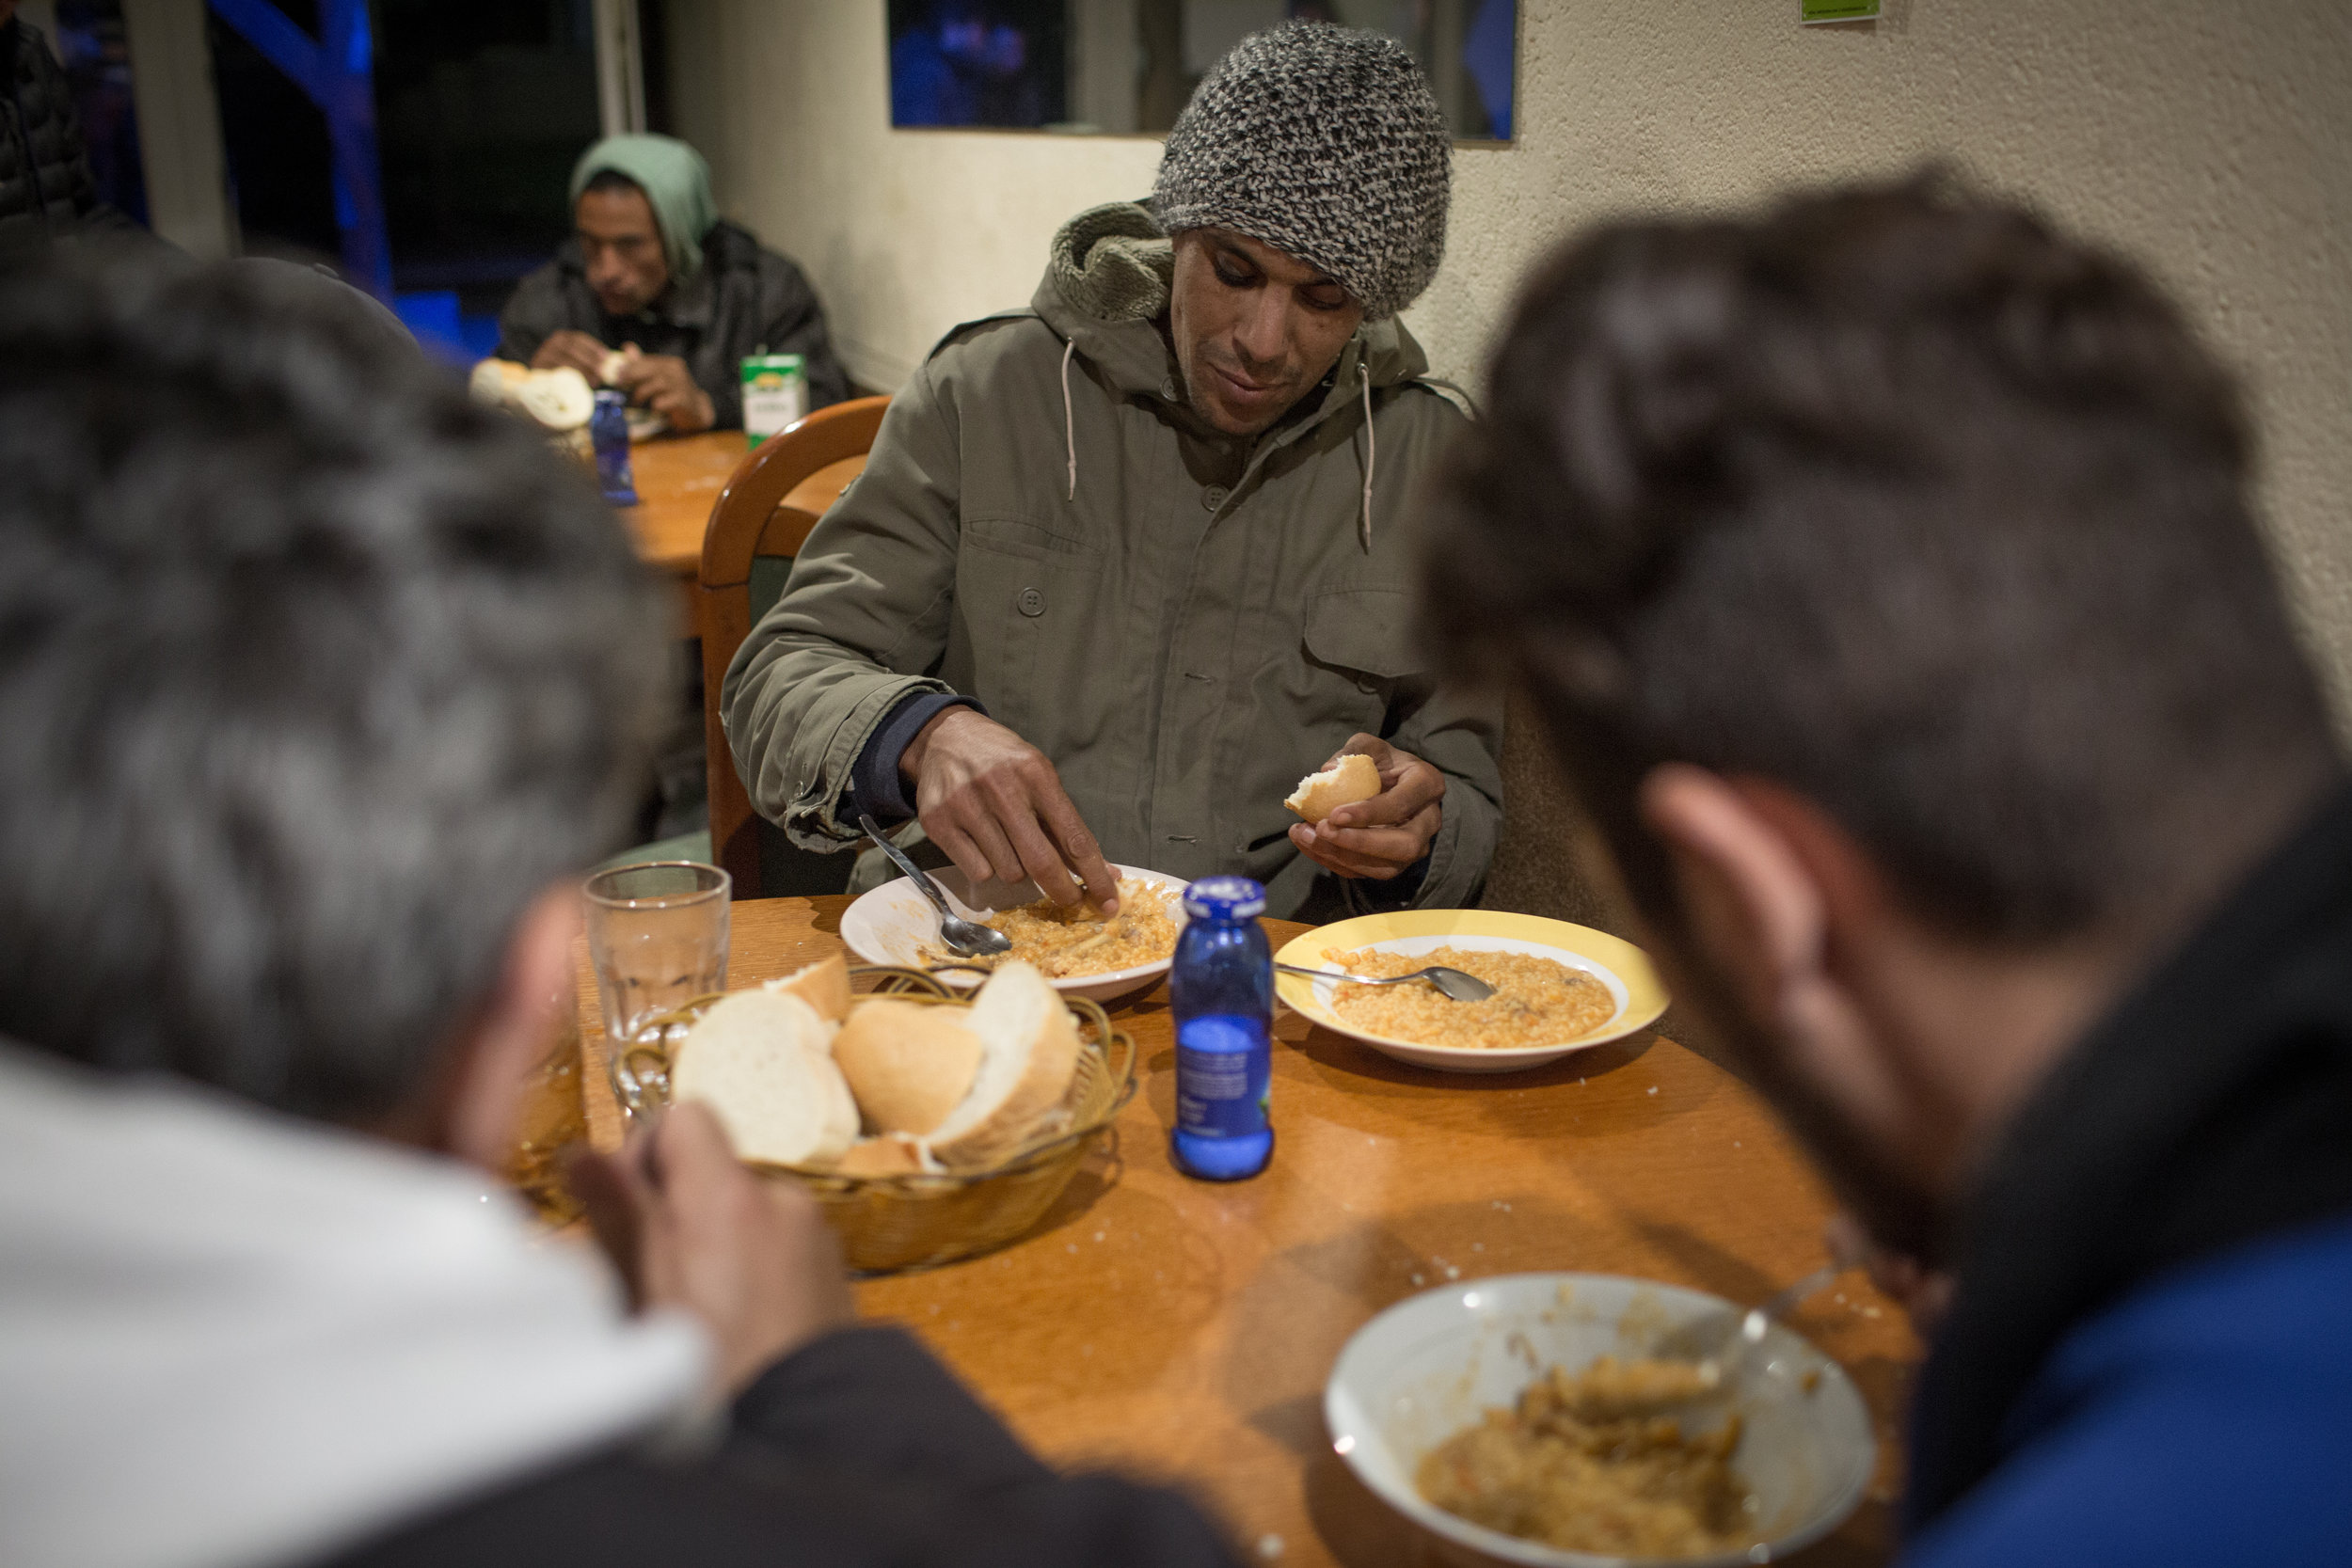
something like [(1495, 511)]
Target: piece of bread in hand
[(823, 985), (908, 1066), (887, 1154), (763, 1062), (1351, 779), (1028, 1055)]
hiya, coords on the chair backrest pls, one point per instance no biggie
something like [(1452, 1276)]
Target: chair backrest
[(771, 502)]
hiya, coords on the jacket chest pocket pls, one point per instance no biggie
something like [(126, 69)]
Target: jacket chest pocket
[(1358, 648), (1030, 602)]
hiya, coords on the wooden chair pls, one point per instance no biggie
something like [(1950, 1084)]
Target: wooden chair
[(758, 524)]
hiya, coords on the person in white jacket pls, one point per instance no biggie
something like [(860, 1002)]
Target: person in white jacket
[(321, 686)]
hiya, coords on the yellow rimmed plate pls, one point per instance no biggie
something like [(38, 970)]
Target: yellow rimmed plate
[(1616, 963)]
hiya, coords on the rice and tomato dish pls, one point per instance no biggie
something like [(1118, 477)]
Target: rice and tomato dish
[(1537, 1001), (1070, 942), (1591, 1462)]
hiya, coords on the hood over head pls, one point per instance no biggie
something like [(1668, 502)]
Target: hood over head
[(676, 184)]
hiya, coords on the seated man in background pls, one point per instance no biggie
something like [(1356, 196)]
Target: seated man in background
[(1125, 564), (1885, 573), (653, 272), (320, 684)]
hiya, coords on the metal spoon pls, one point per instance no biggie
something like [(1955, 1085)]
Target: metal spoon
[(964, 938), (1718, 1344), (1451, 983)]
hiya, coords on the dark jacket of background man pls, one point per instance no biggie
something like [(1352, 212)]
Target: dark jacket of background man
[(744, 300), (46, 189)]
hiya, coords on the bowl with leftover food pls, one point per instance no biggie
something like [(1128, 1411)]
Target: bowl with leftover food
[(1079, 952), (931, 1126), (1558, 988), (1520, 1420)]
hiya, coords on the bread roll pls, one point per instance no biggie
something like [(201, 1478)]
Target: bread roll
[(608, 369), (1028, 1055), (558, 398), (762, 1062), (496, 381), (891, 1154), (909, 1065), (1351, 779), (823, 985)]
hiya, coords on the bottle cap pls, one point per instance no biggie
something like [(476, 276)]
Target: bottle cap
[(1225, 899), (612, 397)]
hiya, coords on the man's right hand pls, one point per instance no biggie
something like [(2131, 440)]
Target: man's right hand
[(995, 804), (690, 1228), (576, 349)]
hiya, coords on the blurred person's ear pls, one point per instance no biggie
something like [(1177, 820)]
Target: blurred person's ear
[(1781, 903), (472, 1106)]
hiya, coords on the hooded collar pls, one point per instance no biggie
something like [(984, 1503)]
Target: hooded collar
[(230, 1339), (1106, 289), (2205, 1111)]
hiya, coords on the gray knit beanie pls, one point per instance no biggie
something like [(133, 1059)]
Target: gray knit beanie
[(1324, 143)]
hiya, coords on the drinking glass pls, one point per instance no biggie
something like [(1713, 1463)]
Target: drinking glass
[(658, 936)]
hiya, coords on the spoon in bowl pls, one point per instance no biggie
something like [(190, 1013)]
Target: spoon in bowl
[(964, 938), (1453, 984)]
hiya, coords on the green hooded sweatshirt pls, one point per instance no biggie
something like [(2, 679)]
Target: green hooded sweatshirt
[(1184, 622)]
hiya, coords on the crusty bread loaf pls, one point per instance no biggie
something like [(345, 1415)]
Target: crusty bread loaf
[(823, 985), (762, 1061), (559, 398), (889, 1154), (496, 382), (909, 1065), (1028, 1055), (1351, 779)]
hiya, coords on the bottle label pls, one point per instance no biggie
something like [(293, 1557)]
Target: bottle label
[(775, 394), (1224, 1072)]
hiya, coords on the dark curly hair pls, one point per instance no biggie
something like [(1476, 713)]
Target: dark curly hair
[(313, 676), (1897, 496)]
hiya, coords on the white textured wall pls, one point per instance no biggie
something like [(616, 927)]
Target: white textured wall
[(2212, 138)]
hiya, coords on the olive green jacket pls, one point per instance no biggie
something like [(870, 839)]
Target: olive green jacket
[(1183, 621)]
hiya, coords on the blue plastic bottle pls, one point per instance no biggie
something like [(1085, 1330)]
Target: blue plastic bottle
[(608, 432), (1222, 985)]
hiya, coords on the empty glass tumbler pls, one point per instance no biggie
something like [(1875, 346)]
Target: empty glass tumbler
[(658, 936)]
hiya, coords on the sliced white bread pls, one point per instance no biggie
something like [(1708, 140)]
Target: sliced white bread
[(762, 1062), (823, 985), (891, 1154), (1351, 779), (1028, 1055), (909, 1065)]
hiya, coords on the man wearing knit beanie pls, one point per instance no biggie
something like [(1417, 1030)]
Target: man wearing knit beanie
[(1123, 566)]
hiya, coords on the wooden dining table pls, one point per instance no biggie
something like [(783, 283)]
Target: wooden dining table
[(1182, 1331)]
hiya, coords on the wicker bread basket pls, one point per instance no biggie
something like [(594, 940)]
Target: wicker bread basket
[(893, 1223)]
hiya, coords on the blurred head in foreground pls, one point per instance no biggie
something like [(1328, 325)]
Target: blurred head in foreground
[(316, 680), (1882, 571)]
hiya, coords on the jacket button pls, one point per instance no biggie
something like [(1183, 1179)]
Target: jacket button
[(1167, 388), (1214, 497), (1032, 602)]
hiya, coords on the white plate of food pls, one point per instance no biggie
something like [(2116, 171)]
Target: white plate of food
[(1407, 1405), (1558, 988), (1076, 950)]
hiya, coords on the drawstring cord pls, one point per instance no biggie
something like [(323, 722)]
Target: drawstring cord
[(1372, 441), (1069, 419)]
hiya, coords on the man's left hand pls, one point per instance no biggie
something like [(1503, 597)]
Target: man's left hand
[(662, 383), (1378, 838)]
